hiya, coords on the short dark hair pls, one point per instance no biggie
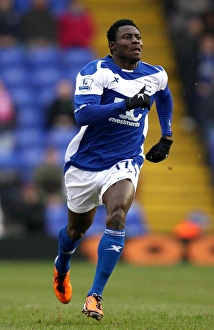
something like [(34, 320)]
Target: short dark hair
[(111, 33)]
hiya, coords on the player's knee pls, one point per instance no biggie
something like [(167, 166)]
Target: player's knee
[(75, 233), (116, 219)]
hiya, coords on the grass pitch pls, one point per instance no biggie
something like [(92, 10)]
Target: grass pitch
[(152, 298)]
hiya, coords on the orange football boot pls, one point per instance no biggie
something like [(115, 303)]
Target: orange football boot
[(93, 308), (62, 286)]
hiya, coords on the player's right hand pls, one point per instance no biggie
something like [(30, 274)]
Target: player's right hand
[(140, 100)]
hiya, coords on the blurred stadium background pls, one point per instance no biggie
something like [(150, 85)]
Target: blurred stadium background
[(167, 191)]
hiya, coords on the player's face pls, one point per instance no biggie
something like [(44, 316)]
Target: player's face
[(127, 48)]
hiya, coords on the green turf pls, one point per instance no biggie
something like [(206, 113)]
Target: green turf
[(155, 298)]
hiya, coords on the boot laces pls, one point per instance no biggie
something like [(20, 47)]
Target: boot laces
[(98, 299), (60, 280)]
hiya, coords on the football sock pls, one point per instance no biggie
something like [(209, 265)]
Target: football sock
[(66, 247), (109, 251)]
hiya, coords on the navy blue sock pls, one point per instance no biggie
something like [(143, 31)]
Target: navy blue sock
[(109, 251), (66, 247)]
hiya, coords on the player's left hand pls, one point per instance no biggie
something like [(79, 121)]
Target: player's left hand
[(159, 151)]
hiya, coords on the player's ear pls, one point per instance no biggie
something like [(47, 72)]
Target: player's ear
[(112, 46)]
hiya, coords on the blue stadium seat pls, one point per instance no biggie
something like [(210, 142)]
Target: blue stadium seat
[(9, 160), (49, 56), (30, 149), (71, 74), (22, 5), (45, 96), (58, 7), (23, 96), (29, 159), (45, 77), (12, 57), (55, 218), (31, 76), (15, 76), (77, 57), (59, 138), (30, 116), (73, 60), (30, 137)]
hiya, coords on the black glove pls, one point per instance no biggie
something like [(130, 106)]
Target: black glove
[(140, 100), (159, 151)]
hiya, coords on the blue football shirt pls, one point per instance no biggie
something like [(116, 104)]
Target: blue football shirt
[(108, 132)]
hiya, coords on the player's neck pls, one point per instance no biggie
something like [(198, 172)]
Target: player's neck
[(125, 65)]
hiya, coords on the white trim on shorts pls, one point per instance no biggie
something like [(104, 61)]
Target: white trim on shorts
[(85, 189)]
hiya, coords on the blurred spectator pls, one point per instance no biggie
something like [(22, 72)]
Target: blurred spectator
[(187, 23), (205, 82), (22, 205), (7, 109), (9, 23), (60, 122), (30, 213), (193, 226), (62, 109), (10, 184), (191, 28), (7, 122), (206, 65), (38, 25), (55, 214), (187, 58), (208, 18), (2, 222), (179, 11), (205, 96), (76, 27), (48, 176)]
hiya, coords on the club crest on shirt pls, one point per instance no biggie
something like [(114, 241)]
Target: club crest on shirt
[(86, 84)]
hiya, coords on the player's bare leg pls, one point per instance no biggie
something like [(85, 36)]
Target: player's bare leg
[(117, 199)]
